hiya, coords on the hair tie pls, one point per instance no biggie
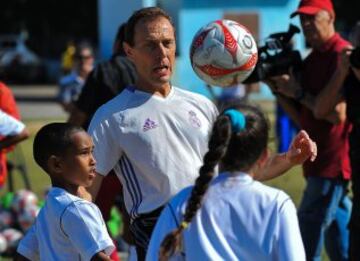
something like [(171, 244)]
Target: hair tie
[(184, 225), (237, 119)]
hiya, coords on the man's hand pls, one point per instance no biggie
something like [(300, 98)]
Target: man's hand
[(301, 149), (286, 84), (344, 64)]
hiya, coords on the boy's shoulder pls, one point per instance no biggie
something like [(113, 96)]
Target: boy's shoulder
[(59, 200)]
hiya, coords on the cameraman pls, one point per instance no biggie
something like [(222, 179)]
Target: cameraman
[(346, 86), (325, 208)]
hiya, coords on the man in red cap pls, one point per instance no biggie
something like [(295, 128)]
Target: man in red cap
[(325, 208)]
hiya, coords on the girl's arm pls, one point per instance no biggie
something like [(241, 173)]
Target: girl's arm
[(301, 149)]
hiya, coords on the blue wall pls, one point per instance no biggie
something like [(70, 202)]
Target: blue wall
[(111, 14), (189, 16), (273, 17)]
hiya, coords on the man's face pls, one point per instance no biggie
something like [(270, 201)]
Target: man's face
[(317, 28), (153, 52)]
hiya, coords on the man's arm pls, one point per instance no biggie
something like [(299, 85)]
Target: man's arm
[(288, 86), (12, 140), (332, 95), (12, 130)]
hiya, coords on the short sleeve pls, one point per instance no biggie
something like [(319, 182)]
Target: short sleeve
[(9, 126), (107, 152), (29, 246), (290, 242), (83, 224)]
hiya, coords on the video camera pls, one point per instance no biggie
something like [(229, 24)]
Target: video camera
[(276, 56)]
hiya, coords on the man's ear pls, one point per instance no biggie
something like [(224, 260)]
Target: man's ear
[(128, 50), (331, 17), (54, 164)]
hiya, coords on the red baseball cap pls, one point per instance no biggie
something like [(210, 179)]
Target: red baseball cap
[(312, 7)]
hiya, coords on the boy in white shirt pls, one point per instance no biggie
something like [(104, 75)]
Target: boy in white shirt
[(68, 227)]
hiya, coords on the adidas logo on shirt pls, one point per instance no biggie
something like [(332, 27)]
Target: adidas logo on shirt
[(149, 124)]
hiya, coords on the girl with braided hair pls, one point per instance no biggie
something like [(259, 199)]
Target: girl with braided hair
[(231, 216)]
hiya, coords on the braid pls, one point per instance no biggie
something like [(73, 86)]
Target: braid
[(218, 144)]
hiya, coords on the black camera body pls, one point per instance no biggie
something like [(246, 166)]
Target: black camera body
[(276, 56), (355, 58)]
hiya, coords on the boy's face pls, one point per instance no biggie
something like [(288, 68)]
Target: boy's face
[(78, 163)]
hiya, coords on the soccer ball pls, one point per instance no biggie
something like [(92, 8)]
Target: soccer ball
[(12, 236), (3, 244), (6, 219), (22, 199), (27, 217), (223, 53)]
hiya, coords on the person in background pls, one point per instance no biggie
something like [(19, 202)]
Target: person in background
[(70, 85), (324, 211), (67, 58), (285, 128), (8, 106), (12, 130), (346, 87)]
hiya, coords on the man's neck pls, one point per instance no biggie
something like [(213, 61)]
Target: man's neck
[(161, 90), (320, 45)]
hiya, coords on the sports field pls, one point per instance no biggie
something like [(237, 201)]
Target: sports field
[(292, 182)]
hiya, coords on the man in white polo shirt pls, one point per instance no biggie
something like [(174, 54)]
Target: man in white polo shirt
[(153, 134)]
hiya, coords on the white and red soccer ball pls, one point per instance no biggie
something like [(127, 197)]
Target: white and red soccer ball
[(27, 217), (3, 244), (6, 219), (13, 237), (23, 199), (223, 53)]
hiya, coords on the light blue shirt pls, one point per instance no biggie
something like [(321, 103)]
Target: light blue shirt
[(240, 219), (67, 228)]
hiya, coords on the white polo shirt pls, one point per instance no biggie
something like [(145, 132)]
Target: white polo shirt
[(9, 126), (240, 219), (67, 228), (154, 144)]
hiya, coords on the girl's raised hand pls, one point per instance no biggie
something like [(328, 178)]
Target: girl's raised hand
[(302, 148)]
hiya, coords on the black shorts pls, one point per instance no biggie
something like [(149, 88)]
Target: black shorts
[(141, 229)]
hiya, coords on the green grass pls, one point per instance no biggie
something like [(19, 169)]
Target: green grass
[(291, 182)]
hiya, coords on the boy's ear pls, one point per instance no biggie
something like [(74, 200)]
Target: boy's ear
[(54, 164)]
